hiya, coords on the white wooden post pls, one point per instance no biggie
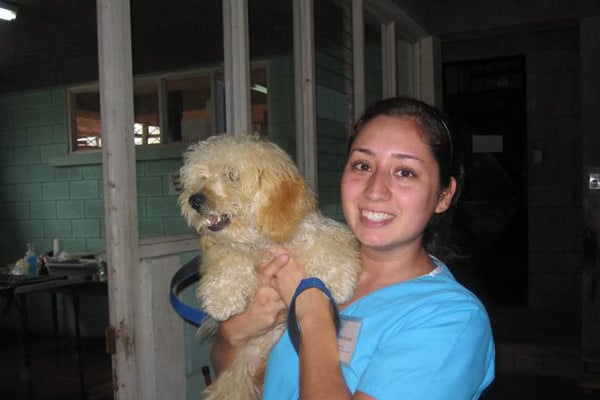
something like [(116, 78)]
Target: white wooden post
[(429, 70), (118, 161), (237, 66), (388, 59), (358, 57), (305, 91)]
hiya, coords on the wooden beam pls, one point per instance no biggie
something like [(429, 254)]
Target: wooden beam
[(120, 196)]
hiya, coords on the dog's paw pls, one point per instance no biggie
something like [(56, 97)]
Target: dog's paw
[(221, 303)]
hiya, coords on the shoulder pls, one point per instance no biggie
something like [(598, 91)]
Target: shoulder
[(433, 300)]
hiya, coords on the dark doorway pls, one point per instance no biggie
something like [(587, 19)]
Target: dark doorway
[(485, 101)]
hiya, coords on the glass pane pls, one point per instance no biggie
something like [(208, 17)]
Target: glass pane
[(259, 92), (86, 120), (373, 67), (146, 121), (405, 73), (333, 62), (272, 78), (190, 109)]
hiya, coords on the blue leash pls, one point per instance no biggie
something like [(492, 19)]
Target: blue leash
[(292, 323), (185, 276)]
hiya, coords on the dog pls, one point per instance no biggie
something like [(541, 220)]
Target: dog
[(242, 195)]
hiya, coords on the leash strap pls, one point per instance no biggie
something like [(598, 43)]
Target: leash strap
[(185, 276), (292, 323)]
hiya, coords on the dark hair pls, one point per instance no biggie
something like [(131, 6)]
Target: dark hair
[(435, 132)]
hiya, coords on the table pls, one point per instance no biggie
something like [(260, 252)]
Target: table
[(16, 292)]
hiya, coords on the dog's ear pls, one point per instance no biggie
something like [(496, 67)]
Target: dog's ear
[(284, 207)]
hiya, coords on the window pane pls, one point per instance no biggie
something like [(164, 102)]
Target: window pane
[(335, 97), (373, 67), (404, 59), (87, 125), (259, 92), (146, 126), (271, 49), (87, 120), (190, 108)]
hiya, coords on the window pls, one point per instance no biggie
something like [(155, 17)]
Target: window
[(168, 108)]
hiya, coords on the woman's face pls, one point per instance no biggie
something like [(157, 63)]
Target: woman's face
[(390, 185)]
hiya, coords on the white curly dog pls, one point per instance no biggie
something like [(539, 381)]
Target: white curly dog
[(243, 195)]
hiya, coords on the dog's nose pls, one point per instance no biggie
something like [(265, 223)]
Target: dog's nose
[(196, 200)]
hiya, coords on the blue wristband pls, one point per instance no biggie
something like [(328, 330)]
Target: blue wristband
[(292, 323)]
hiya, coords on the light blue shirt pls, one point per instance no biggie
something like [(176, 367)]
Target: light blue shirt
[(427, 338)]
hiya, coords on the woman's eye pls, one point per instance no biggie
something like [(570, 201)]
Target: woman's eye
[(405, 173), (360, 166)]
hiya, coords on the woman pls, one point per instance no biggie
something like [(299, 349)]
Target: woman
[(410, 331)]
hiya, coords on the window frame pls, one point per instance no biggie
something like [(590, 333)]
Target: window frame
[(161, 80)]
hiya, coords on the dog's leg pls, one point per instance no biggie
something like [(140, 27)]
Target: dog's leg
[(228, 282), (333, 257), (243, 379)]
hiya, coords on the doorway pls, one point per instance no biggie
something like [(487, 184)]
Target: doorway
[(486, 103)]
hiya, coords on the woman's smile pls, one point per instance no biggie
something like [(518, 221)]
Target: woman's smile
[(376, 216)]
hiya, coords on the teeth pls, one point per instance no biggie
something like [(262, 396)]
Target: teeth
[(213, 220), (376, 216)]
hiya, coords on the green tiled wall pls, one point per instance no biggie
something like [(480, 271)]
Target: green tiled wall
[(41, 201)]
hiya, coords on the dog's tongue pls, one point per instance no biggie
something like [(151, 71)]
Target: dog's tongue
[(217, 223)]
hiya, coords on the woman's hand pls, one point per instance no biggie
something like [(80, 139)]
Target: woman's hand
[(264, 312), (285, 272)]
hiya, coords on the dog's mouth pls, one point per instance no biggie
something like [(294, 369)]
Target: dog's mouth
[(217, 222)]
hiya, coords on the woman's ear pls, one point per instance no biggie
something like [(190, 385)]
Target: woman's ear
[(285, 204), (445, 198)]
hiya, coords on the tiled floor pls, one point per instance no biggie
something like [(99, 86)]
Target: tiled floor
[(531, 387), (54, 369), (55, 375)]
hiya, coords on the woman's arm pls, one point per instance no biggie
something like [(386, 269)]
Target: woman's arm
[(320, 371)]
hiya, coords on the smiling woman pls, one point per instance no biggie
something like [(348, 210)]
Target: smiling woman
[(410, 329), (425, 152)]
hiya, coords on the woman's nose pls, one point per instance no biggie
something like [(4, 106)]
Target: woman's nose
[(378, 186)]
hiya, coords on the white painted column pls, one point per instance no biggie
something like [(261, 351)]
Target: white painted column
[(305, 88), (429, 59), (358, 57), (237, 66), (120, 197), (388, 59)]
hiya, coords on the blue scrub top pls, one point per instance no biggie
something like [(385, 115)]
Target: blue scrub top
[(427, 338)]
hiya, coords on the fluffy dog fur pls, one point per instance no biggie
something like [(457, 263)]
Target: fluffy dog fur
[(242, 195)]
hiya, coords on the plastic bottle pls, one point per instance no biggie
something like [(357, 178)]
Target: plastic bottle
[(31, 259)]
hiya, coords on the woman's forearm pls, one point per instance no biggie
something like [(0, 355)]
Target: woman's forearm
[(320, 373), (225, 348)]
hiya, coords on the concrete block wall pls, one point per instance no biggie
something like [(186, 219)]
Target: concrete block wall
[(553, 186), (554, 131), (41, 200)]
